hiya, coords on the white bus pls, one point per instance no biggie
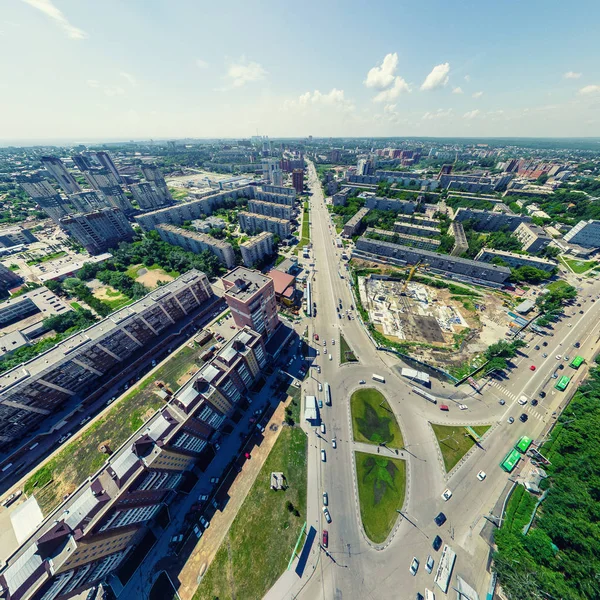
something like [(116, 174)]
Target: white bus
[(327, 394), (378, 378)]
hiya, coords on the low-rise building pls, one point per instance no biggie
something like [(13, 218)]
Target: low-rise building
[(516, 260), (340, 198), (401, 206), (14, 236), (8, 279), (353, 225), (194, 241), (532, 237), (205, 225), (253, 223), (257, 248), (284, 283), (420, 220)]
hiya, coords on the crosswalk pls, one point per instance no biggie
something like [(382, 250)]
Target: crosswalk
[(534, 411), (505, 393)]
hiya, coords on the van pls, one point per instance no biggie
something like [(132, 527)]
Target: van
[(429, 595)]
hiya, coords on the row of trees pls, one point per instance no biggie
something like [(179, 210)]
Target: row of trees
[(499, 353)]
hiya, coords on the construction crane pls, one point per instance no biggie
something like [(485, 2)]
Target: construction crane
[(418, 265)]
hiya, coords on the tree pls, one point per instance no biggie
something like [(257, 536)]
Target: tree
[(496, 364)]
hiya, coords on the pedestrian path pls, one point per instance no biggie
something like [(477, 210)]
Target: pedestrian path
[(502, 389)]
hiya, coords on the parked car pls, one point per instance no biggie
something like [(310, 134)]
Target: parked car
[(523, 418), (362, 381), (323, 457), (65, 437), (414, 566), (429, 564), (446, 495), (320, 403), (437, 543), (327, 515), (463, 406), (204, 522), (440, 519), (84, 421), (334, 443), (198, 531), (325, 538), (510, 420), (320, 388), (444, 407), (325, 499)]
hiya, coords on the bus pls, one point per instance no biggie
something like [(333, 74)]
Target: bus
[(327, 394), (562, 384), (523, 444), (425, 395), (378, 378), (510, 461), (577, 362)]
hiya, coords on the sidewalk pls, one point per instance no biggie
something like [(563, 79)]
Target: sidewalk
[(206, 548)]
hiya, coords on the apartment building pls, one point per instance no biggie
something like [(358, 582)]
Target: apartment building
[(274, 194), (279, 211), (57, 169), (95, 529), (414, 241), (251, 297), (194, 241), (532, 237), (257, 248), (420, 220), (416, 229), (272, 173), (149, 197), (154, 175), (75, 367), (401, 206), (340, 198), (48, 199), (99, 230), (516, 260), (585, 233), (253, 223), (484, 220), (88, 201), (450, 266), (461, 245), (105, 160), (14, 236), (353, 225), (298, 180)]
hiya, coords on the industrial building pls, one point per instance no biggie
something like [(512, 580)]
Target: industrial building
[(257, 248), (75, 367), (14, 236), (194, 241)]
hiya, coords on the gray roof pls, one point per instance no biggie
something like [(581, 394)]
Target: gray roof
[(124, 461), (81, 508), (23, 568)]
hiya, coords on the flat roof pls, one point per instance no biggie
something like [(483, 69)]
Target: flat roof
[(245, 282)]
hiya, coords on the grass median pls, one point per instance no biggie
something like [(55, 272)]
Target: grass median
[(258, 546), (373, 421), (455, 442), (346, 354), (381, 489)]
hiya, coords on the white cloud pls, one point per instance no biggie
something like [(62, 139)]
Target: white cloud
[(381, 77), (93, 83), (477, 94), (114, 90), (130, 78), (440, 113), (590, 90), (48, 8), (389, 108), (467, 78), (437, 78), (201, 64), (471, 114), (457, 90), (572, 75), (244, 72), (334, 97), (400, 87)]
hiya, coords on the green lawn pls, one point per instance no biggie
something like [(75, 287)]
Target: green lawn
[(346, 354), (305, 239), (579, 266), (76, 305), (259, 544), (455, 442), (178, 193), (48, 257), (373, 421), (381, 488)]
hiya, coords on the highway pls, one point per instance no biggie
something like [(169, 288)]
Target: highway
[(353, 566)]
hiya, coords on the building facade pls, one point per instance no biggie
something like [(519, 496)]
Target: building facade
[(148, 196), (516, 260), (461, 245), (57, 169), (484, 220), (40, 190), (340, 198), (253, 223), (194, 241), (405, 239), (153, 174), (279, 211), (298, 180), (13, 236), (532, 237), (416, 229), (99, 230), (8, 279), (251, 297), (257, 248), (88, 201), (353, 225), (585, 233)]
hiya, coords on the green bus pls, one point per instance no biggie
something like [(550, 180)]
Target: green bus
[(510, 461), (577, 362), (523, 444), (562, 384)]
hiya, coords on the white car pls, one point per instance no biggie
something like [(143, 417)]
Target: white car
[(414, 566), (318, 353), (330, 357), (481, 475), (558, 357), (322, 427), (325, 499), (446, 495), (198, 531), (429, 564), (65, 437), (463, 406), (323, 458), (333, 342), (320, 387), (523, 400), (204, 522), (334, 443)]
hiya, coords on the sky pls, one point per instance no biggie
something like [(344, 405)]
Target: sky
[(83, 70)]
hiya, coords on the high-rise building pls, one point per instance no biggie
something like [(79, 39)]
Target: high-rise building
[(82, 162), (99, 230), (149, 197), (88, 201), (57, 169), (298, 180), (272, 171), (105, 160), (45, 195), (257, 248), (105, 182), (251, 297), (8, 279), (153, 174)]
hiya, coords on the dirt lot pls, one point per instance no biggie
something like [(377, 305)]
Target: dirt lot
[(151, 278)]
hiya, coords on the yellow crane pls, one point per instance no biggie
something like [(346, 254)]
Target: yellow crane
[(418, 265)]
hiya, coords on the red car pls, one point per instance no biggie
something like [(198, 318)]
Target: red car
[(325, 538), (247, 455), (532, 368), (316, 336), (444, 407)]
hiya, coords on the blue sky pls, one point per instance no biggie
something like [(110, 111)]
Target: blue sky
[(82, 70)]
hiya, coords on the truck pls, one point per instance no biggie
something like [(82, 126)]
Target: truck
[(378, 378)]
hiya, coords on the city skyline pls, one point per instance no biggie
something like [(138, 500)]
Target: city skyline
[(200, 73)]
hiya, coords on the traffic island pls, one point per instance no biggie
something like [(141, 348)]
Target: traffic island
[(455, 442), (381, 488), (346, 354), (373, 421)]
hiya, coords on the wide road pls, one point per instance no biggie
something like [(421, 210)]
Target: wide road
[(354, 567)]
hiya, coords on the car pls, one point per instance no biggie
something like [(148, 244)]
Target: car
[(523, 400), (12, 498), (362, 381), (176, 538), (580, 312), (325, 538), (247, 455), (339, 316), (198, 531), (437, 543), (440, 519), (324, 350), (257, 412), (65, 437), (554, 375), (414, 566), (532, 368), (333, 342), (327, 514), (323, 457), (109, 402), (214, 480), (349, 318), (481, 475), (561, 367), (318, 353), (419, 596), (429, 564), (325, 499), (322, 427), (537, 347), (542, 394), (317, 337), (463, 406), (84, 421), (502, 401), (330, 357), (334, 443), (510, 420), (318, 369), (446, 495), (320, 387), (444, 407), (534, 402), (544, 343), (566, 357), (523, 417), (558, 357), (544, 355), (204, 522), (320, 403), (324, 342), (203, 497)]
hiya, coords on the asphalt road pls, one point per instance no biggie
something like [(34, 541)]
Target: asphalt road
[(353, 567)]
